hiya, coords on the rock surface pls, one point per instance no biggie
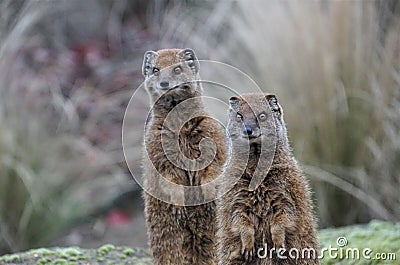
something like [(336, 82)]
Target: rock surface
[(105, 255), (381, 238)]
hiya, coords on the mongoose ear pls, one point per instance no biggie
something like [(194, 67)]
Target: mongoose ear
[(148, 62), (273, 102), (234, 102), (188, 55)]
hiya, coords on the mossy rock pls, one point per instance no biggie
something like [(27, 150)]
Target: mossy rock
[(378, 236), (105, 255)]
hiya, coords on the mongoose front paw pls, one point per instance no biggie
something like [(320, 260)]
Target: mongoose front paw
[(278, 237), (248, 254), (178, 212), (210, 207), (248, 246)]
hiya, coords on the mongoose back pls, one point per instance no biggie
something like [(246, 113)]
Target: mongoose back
[(179, 234), (278, 214)]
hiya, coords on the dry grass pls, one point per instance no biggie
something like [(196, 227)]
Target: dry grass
[(336, 71), (52, 171)]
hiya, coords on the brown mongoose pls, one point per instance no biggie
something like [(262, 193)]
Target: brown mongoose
[(179, 234), (278, 213)]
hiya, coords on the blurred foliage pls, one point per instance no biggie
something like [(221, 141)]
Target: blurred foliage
[(69, 68), (335, 66), (63, 89), (68, 71)]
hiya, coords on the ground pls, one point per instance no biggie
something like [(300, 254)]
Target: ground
[(380, 237), (107, 254)]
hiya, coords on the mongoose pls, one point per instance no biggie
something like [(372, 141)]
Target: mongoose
[(278, 213), (179, 234)]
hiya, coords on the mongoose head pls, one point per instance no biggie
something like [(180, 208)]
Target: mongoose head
[(250, 120), (170, 73)]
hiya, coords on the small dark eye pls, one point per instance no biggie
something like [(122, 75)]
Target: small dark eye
[(178, 70), (238, 117), (262, 117), (274, 105), (156, 71), (275, 108)]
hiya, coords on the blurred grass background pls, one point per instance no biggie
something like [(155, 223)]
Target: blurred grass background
[(68, 69)]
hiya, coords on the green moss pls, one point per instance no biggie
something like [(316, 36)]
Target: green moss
[(72, 251), (107, 254), (82, 257), (380, 237), (43, 261), (73, 258), (62, 256), (10, 258), (106, 249), (42, 252), (61, 262), (128, 251)]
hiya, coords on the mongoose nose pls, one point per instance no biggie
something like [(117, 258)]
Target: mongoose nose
[(164, 82), (248, 130)]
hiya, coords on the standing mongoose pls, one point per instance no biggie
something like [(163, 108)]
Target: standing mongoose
[(278, 213), (179, 234)]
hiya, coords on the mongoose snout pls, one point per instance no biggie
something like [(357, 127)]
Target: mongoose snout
[(251, 132), (164, 83)]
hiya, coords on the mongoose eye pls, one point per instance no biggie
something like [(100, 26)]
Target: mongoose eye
[(239, 117), (178, 70), (262, 117), (156, 71), (274, 105), (275, 108)]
